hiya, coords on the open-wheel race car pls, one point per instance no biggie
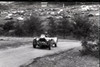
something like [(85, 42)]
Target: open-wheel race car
[(44, 41)]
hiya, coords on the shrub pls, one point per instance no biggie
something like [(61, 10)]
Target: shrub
[(13, 28), (82, 28), (62, 27), (1, 30), (4, 7), (65, 27), (8, 25), (52, 27), (32, 26)]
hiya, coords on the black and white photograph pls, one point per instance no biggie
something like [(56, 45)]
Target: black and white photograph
[(49, 34)]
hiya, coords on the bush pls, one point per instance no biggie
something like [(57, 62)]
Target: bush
[(1, 30), (65, 27), (32, 26), (4, 7), (8, 25), (90, 48), (13, 28), (29, 27), (52, 27), (82, 28)]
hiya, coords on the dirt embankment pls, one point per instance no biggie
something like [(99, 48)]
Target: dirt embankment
[(70, 58)]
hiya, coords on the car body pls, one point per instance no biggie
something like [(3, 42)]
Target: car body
[(45, 42)]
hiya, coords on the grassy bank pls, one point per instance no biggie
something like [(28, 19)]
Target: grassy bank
[(70, 58)]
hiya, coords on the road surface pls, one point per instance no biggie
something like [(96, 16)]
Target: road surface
[(25, 54)]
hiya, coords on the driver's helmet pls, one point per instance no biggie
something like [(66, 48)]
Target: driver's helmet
[(42, 36), (46, 34)]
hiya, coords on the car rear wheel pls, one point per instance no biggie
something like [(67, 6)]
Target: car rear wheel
[(49, 47), (34, 43), (34, 46)]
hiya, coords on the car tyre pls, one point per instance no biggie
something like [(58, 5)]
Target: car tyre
[(55, 45), (49, 47), (34, 43), (34, 46)]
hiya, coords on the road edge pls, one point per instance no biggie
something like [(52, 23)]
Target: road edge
[(35, 59)]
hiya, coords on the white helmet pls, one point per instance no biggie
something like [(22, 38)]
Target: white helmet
[(42, 36)]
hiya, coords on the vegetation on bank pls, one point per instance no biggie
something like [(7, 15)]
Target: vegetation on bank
[(69, 58), (79, 26), (76, 24)]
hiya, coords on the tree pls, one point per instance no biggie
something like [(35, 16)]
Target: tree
[(52, 27), (18, 27), (4, 7), (65, 27), (8, 25), (1, 30), (82, 28), (32, 26)]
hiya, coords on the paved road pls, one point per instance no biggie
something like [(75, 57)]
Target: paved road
[(17, 56)]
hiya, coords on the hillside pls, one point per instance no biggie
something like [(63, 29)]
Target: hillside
[(22, 11)]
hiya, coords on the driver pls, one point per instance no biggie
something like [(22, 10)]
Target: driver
[(42, 37), (46, 34)]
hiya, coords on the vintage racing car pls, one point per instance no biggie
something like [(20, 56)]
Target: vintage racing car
[(44, 41)]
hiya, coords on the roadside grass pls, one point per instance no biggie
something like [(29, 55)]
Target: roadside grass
[(70, 58), (12, 44)]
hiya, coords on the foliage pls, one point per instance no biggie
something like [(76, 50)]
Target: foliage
[(52, 27), (82, 28), (79, 26), (8, 25), (4, 7), (65, 27), (32, 26), (19, 29)]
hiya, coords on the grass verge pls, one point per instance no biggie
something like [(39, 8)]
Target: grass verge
[(13, 44), (70, 58)]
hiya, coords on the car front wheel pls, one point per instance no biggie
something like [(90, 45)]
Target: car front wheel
[(49, 47), (55, 45)]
